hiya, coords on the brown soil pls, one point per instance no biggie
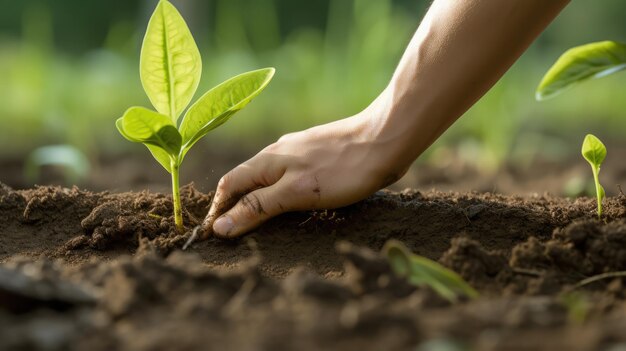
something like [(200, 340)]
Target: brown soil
[(568, 175), (102, 271)]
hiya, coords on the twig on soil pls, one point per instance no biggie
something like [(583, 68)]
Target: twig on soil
[(322, 216), (619, 187), (305, 222), (193, 237), (595, 278)]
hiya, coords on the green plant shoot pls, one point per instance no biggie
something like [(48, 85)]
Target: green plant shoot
[(582, 63), (421, 271), (594, 152), (576, 65), (170, 69)]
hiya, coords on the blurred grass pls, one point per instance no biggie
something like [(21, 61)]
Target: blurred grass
[(324, 72)]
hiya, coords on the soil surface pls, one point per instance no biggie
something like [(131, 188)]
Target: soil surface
[(564, 175), (104, 271)]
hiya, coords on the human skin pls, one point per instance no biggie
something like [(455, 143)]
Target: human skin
[(459, 51)]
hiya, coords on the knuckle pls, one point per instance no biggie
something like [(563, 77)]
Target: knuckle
[(286, 137), (227, 182), (268, 149), (251, 206), (224, 182)]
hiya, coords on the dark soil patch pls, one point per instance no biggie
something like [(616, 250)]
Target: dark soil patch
[(88, 270)]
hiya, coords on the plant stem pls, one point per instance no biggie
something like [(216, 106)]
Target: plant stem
[(178, 210), (596, 170)]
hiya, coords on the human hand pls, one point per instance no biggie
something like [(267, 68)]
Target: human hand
[(327, 166), (339, 163)]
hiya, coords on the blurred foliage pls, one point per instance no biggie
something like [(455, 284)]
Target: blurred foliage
[(69, 68), (71, 161)]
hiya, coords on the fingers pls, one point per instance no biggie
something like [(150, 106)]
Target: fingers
[(229, 188), (255, 173), (260, 205), (251, 210)]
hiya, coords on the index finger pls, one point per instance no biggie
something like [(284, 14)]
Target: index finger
[(221, 203), (258, 172)]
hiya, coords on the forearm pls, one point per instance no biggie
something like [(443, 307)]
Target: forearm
[(459, 51)]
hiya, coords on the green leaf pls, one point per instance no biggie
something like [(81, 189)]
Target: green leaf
[(145, 126), (162, 156), (170, 64), (119, 123), (421, 271), (581, 63), (216, 106), (593, 150)]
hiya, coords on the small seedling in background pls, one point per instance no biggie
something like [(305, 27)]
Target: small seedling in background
[(577, 305), (595, 152), (576, 65), (73, 162), (170, 69), (421, 271)]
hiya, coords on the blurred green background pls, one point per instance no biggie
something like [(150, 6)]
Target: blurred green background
[(69, 68)]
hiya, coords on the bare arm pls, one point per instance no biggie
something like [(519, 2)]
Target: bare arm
[(459, 51)]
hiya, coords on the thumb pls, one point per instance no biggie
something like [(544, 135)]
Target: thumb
[(253, 209)]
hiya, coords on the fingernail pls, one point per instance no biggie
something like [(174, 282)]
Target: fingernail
[(223, 225)]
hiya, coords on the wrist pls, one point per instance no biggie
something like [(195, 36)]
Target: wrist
[(386, 135)]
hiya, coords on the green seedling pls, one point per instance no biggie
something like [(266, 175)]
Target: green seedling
[(582, 63), (576, 65), (594, 152), (420, 271), (170, 69), (74, 163), (577, 305)]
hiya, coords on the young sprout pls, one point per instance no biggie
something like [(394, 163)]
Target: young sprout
[(170, 69), (421, 271), (578, 64), (595, 152), (577, 305)]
